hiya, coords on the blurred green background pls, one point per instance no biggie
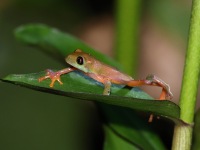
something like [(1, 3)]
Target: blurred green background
[(34, 120)]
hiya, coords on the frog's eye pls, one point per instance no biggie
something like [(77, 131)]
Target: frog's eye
[(79, 60)]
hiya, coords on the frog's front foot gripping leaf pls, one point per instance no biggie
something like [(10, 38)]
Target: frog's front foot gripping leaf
[(54, 76)]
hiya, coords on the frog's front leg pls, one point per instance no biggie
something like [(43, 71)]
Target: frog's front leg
[(107, 86), (105, 81), (55, 76)]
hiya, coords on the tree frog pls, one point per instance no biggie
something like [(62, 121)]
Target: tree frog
[(79, 60), (84, 62)]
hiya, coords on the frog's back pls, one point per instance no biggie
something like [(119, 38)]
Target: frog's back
[(111, 73)]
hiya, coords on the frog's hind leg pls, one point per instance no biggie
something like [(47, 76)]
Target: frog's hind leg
[(152, 80)]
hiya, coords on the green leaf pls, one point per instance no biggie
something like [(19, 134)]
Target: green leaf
[(132, 130), (116, 142), (77, 85), (123, 121)]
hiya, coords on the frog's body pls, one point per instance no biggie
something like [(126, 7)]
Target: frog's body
[(105, 74), (96, 69)]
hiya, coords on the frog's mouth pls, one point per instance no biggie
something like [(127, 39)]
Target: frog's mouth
[(68, 60)]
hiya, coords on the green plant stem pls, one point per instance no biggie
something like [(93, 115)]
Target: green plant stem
[(127, 15), (190, 81), (182, 137)]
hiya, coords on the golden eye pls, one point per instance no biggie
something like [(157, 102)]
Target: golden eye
[(79, 60)]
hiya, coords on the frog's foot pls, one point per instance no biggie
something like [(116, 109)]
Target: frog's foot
[(154, 80), (54, 76)]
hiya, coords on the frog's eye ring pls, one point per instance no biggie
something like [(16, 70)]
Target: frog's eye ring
[(79, 60)]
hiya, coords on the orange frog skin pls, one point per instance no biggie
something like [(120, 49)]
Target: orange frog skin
[(105, 74)]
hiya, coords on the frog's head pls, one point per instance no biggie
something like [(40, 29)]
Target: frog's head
[(80, 60)]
